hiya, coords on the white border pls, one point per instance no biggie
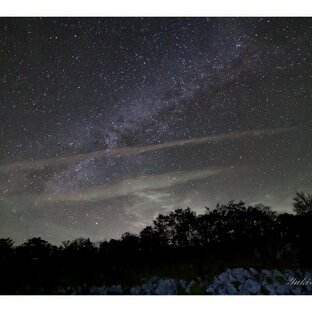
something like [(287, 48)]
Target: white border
[(154, 303), (156, 8)]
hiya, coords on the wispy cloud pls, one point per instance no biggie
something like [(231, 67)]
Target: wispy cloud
[(133, 187), (135, 150)]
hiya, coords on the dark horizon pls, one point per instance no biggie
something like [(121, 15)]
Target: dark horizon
[(283, 214), (168, 213)]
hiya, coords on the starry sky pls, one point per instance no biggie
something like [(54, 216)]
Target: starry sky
[(107, 122)]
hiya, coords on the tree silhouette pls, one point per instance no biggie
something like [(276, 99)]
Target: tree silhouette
[(303, 204), (6, 246), (36, 248), (149, 239), (177, 228)]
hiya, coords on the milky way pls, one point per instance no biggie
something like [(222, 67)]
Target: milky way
[(107, 122)]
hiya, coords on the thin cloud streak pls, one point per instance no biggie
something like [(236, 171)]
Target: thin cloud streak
[(129, 151), (134, 186)]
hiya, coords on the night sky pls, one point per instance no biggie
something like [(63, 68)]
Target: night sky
[(107, 122)]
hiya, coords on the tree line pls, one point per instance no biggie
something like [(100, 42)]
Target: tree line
[(180, 243)]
